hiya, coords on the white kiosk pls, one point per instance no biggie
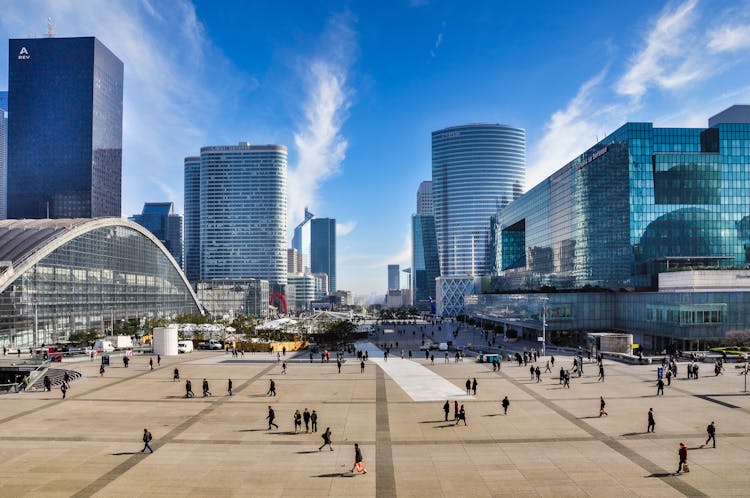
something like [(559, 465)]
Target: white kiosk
[(165, 341)]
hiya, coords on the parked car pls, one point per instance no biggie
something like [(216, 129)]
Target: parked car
[(184, 346)]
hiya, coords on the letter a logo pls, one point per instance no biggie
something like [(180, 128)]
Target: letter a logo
[(23, 54), (23, 51)]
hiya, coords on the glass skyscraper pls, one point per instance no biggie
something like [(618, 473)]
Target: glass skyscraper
[(425, 264), (394, 277), (192, 232), (3, 155), (323, 249), (476, 169), (243, 212), (65, 155), (160, 219), (641, 201)]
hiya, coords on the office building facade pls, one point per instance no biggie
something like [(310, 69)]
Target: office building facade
[(641, 201), (424, 198), (243, 212), (475, 169), (394, 277), (192, 222), (230, 298), (323, 248), (425, 262), (65, 154), (3, 155), (651, 224), (160, 219)]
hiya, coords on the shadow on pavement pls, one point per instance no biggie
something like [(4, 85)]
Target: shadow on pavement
[(126, 453), (337, 474), (661, 474)]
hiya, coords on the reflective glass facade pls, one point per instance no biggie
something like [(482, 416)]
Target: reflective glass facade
[(89, 274), (425, 262), (192, 199), (160, 219), (641, 201), (65, 154), (3, 154), (475, 170), (243, 212), (230, 298), (323, 248)]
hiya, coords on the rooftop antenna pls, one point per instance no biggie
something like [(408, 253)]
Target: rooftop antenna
[(50, 28)]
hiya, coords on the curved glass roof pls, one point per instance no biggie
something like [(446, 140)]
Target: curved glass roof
[(19, 239)]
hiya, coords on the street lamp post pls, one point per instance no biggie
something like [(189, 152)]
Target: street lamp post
[(544, 325)]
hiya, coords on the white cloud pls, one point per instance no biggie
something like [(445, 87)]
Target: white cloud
[(572, 130), (169, 67), (668, 59), (320, 146), (344, 228), (729, 39)]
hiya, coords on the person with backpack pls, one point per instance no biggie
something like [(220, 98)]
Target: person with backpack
[(147, 437), (710, 430), (326, 439)]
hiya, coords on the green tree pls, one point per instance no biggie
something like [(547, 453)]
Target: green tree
[(84, 337)]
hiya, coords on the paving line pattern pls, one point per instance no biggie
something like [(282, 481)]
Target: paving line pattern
[(104, 480), (643, 462), (385, 478)]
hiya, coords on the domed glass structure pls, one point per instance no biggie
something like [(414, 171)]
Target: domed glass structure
[(58, 276)]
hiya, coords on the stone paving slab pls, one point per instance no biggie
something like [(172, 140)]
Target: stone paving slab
[(552, 443)]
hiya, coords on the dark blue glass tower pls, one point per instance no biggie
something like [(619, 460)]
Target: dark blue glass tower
[(160, 219), (323, 249), (65, 141)]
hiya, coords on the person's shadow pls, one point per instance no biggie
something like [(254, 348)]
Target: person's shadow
[(336, 474)]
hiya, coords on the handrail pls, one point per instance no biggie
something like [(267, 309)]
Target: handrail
[(37, 371)]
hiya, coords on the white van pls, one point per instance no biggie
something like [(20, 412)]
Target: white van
[(104, 346), (184, 346)]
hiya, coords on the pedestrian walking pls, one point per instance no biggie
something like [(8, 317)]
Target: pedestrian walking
[(64, 389), (297, 421), (651, 422), (455, 410), (176, 375), (566, 379), (669, 377), (101, 370), (158, 360), (446, 409), (206, 392), (660, 387), (189, 389), (533, 371), (474, 384), (271, 417), (683, 465), (552, 360), (66, 379), (314, 421), (306, 418), (47, 383), (283, 368), (461, 416), (710, 430), (359, 465), (538, 373), (147, 437), (602, 411), (326, 439), (362, 366), (562, 374), (125, 361), (506, 404), (601, 373), (271, 388), (229, 386), (468, 386), (547, 368), (150, 363), (338, 364)]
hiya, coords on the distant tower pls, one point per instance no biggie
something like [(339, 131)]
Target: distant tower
[(424, 198), (323, 249), (394, 277), (474, 167)]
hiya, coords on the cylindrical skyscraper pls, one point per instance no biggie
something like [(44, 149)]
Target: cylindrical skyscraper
[(476, 169), (243, 203)]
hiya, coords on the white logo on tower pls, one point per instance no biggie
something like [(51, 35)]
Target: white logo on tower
[(23, 54)]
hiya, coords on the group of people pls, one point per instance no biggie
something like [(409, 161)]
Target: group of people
[(310, 419)]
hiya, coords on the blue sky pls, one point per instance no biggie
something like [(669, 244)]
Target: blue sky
[(354, 89)]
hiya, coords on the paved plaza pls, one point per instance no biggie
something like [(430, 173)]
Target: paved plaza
[(551, 443)]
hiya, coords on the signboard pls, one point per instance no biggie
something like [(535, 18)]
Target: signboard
[(660, 373), (540, 339)]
